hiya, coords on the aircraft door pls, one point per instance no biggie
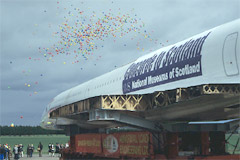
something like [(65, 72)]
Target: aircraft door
[(230, 55)]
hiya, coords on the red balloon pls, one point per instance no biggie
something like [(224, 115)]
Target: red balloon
[(21, 117)]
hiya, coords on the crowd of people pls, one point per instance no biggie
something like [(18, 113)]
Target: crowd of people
[(6, 152)]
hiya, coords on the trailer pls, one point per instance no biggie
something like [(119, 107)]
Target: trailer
[(197, 141)]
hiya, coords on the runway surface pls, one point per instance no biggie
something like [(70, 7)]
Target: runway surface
[(36, 157)]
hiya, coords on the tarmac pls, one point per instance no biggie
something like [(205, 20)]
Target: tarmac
[(36, 157)]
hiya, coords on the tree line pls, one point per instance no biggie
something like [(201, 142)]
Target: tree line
[(27, 130)]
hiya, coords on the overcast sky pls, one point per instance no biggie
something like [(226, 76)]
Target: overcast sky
[(42, 54)]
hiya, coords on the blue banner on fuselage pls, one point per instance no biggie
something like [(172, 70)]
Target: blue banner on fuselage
[(179, 62)]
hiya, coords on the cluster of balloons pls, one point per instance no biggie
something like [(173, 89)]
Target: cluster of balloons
[(82, 33)]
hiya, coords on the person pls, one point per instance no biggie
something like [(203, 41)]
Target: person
[(57, 151), (9, 152), (52, 150), (6, 151), (40, 147), (15, 151), (1, 152), (20, 149), (61, 148), (49, 149), (31, 150), (28, 150)]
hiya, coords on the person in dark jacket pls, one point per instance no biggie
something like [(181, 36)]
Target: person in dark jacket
[(2, 151), (31, 150), (20, 150), (6, 151), (28, 150), (57, 151), (40, 147)]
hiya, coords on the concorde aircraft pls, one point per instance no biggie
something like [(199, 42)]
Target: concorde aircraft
[(193, 80)]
